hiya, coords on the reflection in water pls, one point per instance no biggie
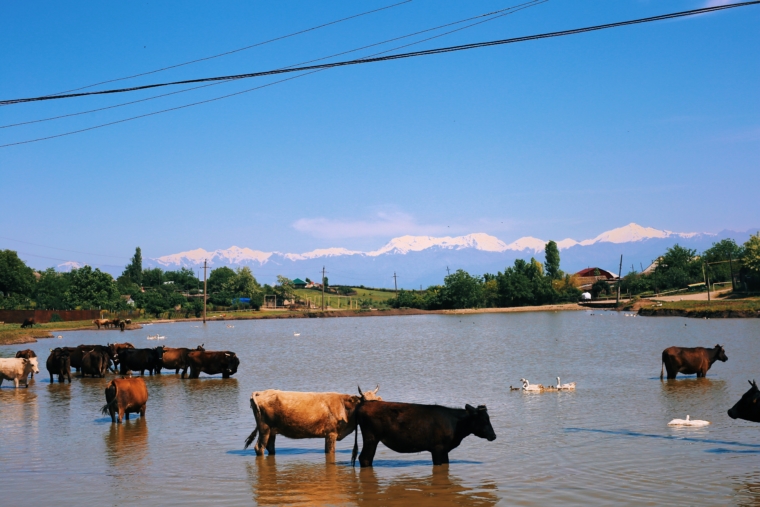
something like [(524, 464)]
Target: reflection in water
[(324, 484), (126, 445), (747, 490)]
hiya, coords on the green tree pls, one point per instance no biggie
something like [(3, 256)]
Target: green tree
[(462, 290), (752, 254), (244, 284), (717, 257), (183, 279), (50, 290), (284, 288), (90, 288), (551, 254), (134, 270), (218, 278), (15, 276), (152, 277)]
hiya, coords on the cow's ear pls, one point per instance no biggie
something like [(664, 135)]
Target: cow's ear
[(469, 408)]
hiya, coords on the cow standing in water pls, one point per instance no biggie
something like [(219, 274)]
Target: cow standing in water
[(17, 368), (125, 396), (28, 354), (409, 427), (690, 360), (59, 363), (747, 407), (331, 416)]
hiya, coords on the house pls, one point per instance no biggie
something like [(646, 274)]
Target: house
[(314, 285), (128, 299), (299, 284), (586, 277)]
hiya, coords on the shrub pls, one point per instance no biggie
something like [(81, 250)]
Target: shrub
[(55, 318)]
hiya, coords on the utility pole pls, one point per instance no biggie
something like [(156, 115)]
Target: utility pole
[(447, 270), (707, 281), (323, 288), (205, 290), (620, 272), (731, 266), (395, 285)]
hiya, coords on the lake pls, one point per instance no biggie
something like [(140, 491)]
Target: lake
[(607, 442)]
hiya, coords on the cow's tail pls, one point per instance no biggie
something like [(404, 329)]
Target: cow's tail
[(106, 408), (355, 451), (255, 408)]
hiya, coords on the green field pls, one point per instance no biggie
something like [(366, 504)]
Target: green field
[(375, 297)]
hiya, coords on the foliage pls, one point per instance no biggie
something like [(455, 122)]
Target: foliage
[(90, 288), (720, 252), (551, 253), (324, 282), (600, 287), (752, 254), (243, 284), (152, 277), (285, 288), (218, 278), (15, 276), (133, 272), (462, 290), (55, 318), (51, 288), (183, 279)]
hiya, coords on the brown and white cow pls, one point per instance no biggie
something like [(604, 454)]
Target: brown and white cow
[(17, 368), (292, 414), (690, 360), (125, 396), (27, 353)]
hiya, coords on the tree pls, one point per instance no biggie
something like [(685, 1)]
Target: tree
[(551, 253), (50, 289), (752, 254), (184, 279), (462, 290), (284, 288), (324, 282), (244, 284), (16, 278), (152, 277), (134, 270), (90, 288), (218, 278), (719, 254)]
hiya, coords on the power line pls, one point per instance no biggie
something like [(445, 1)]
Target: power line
[(236, 50), (62, 249), (513, 9), (488, 14), (414, 54)]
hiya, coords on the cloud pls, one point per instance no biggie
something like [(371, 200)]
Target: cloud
[(716, 3), (380, 225)]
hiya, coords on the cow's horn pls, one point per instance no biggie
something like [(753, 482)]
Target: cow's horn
[(376, 389), (360, 390)]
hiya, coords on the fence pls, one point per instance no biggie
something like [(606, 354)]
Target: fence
[(44, 316)]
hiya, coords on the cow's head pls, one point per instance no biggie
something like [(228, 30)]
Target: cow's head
[(232, 362), (480, 423), (159, 352), (200, 347), (370, 395), (30, 365), (720, 353), (747, 407)]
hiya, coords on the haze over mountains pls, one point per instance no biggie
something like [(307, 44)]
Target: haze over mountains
[(423, 260)]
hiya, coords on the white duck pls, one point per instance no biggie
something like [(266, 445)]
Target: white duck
[(688, 422), (565, 387), (527, 386)]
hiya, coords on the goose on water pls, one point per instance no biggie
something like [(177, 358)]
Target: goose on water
[(565, 387), (688, 422), (527, 386)]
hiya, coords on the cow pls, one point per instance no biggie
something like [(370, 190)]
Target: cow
[(95, 362), (125, 396), (331, 416), (176, 359), (747, 407), (690, 360), (59, 363), (140, 359), (212, 363), (17, 368), (115, 348), (27, 353), (410, 427), (28, 323), (101, 322), (77, 354)]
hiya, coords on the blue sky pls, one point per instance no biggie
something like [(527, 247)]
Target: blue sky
[(657, 124)]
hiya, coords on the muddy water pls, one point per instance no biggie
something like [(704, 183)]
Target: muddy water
[(606, 443)]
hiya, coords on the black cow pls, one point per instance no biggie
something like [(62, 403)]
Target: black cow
[(409, 427), (59, 363), (212, 363), (690, 360), (28, 323), (140, 359), (95, 362), (26, 354), (747, 408)]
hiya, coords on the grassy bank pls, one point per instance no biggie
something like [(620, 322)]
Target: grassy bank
[(725, 308)]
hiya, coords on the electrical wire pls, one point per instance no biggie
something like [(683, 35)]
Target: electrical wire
[(414, 54), (493, 13), (236, 50), (515, 9), (63, 249)]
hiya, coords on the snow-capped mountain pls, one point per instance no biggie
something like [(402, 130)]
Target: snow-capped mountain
[(424, 259)]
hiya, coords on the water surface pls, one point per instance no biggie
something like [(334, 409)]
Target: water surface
[(608, 442)]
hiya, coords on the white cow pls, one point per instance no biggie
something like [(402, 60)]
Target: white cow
[(17, 368)]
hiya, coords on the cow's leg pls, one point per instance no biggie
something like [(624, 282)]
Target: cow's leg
[(330, 443), (270, 444), (121, 415), (51, 378), (440, 456), (113, 414), (176, 372), (368, 451), (142, 410), (126, 414), (263, 441), (15, 381), (225, 375)]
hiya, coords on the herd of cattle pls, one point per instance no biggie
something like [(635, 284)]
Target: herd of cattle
[(402, 427)]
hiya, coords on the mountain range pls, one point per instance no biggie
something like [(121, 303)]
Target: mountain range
[(424, 260)]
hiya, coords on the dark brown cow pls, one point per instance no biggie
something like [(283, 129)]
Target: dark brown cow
[(213, 363), (28, 354), (409, 427), (28, 323), (176, 359), (140, 360), (331, 416), (77, 354), (59, 363), (690, 360), (125, 396), (95, 362), (115, 348), (747, 407)]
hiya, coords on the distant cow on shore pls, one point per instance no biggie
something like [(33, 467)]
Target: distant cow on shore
[(409, 427), (28, 323), (690, 360)]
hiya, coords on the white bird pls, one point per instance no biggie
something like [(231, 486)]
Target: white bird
[(565, 387), (229, 327), (296, 334), (527, 386), (688, 422), (60, 336)]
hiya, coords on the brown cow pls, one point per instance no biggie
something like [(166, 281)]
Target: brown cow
[(331, 416), (59, 363), (690, 360), (176, 359), (101, 322), (28, 354), (95, 362), (212, 363), (125, 396), (28, 323), (115, 348)]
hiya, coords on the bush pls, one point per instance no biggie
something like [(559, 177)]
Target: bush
[(55, 318)]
